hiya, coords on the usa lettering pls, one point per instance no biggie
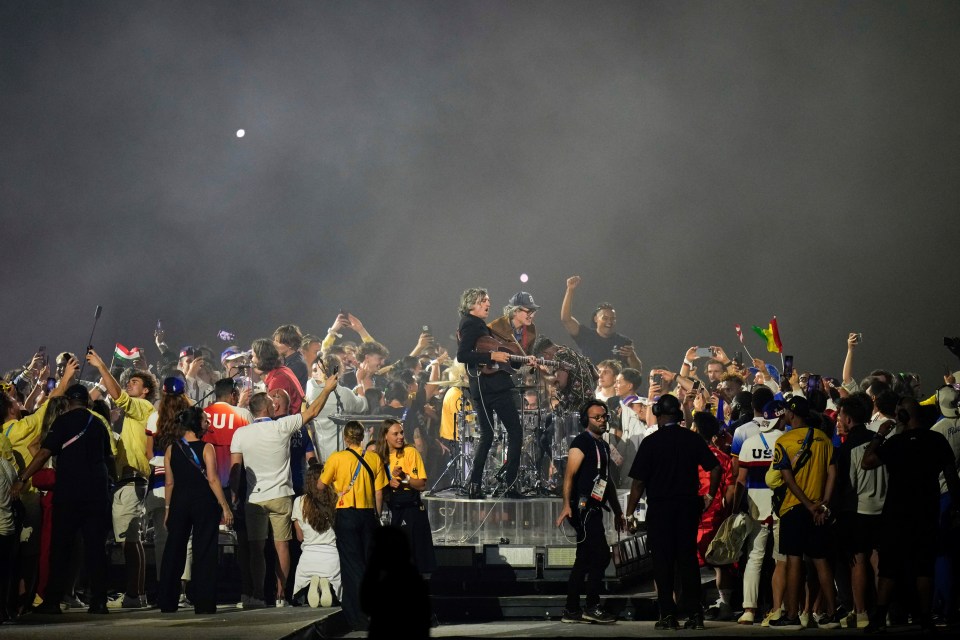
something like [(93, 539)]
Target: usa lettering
[(762, 454)]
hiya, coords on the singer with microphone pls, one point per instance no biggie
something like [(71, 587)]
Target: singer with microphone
[(492, 392), (586, 487)]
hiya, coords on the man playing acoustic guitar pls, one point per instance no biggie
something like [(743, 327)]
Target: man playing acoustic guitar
[(492, 390)]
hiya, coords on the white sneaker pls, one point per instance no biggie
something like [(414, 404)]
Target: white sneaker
[(326, 593), (807, 621), (771, 616), (746, 618), (313, 592), (719, 611), (125, 602), (282, 604), (73, 602), (184, 603)]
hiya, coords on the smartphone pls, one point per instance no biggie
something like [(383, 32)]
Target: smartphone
[(813, 383), (704, 352), (857, 339), (51, 385), (696, 385), (657, 379), (425, 329), (787, 366), (738, 359), (42, 350)]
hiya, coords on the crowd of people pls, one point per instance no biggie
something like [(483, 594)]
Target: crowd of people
[(302, 444)]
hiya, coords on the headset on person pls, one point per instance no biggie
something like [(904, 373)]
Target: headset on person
[(667, 405), (584, 418)]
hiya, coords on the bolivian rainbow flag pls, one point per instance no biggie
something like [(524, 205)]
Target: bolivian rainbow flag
[(771, 335)]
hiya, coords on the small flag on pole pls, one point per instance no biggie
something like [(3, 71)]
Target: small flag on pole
[(123, 353), (770, 335), (740, 336)]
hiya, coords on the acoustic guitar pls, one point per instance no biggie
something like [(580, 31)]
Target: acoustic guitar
[(491, 344)]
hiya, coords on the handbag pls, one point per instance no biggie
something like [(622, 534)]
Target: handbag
[(733, 532)]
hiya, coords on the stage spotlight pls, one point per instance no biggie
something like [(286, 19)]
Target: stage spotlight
[(523, 277), (241, 133)]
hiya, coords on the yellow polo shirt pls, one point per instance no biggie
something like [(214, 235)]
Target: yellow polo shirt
[(339, 471), (132, 454)]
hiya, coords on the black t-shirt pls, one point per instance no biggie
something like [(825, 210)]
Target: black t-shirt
[(295, 363), (914, 460), (593, 449), (668, 463), (81, 464), (597, 348)]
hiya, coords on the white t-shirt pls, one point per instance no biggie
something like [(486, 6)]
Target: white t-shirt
[(878, 419), (325, 429), (310, 535), (949, 428), (756, 454), (265, 446)]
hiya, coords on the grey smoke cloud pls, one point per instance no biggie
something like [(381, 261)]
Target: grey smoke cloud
[(699, 164)]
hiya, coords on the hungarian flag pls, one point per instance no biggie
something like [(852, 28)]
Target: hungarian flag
[(122, 353), (771, 335)]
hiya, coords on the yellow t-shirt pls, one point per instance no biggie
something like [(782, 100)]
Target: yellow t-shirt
[(410, 461), (812, 476), (132, 456), (341, 469), (21, 433), (448, 415)]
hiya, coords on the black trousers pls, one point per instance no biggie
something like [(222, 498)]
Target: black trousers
[(354, 529), (502, 403), (203, 519), (93, 520), (593, 556), (672, 535)]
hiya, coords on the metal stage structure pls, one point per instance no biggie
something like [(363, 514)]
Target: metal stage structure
[(499, 542)]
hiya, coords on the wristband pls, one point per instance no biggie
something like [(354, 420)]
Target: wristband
[(688, 363)]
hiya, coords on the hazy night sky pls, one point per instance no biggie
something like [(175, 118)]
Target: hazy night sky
[(699, 164)]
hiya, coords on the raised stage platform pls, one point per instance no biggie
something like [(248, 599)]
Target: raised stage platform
[(509, 541)]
